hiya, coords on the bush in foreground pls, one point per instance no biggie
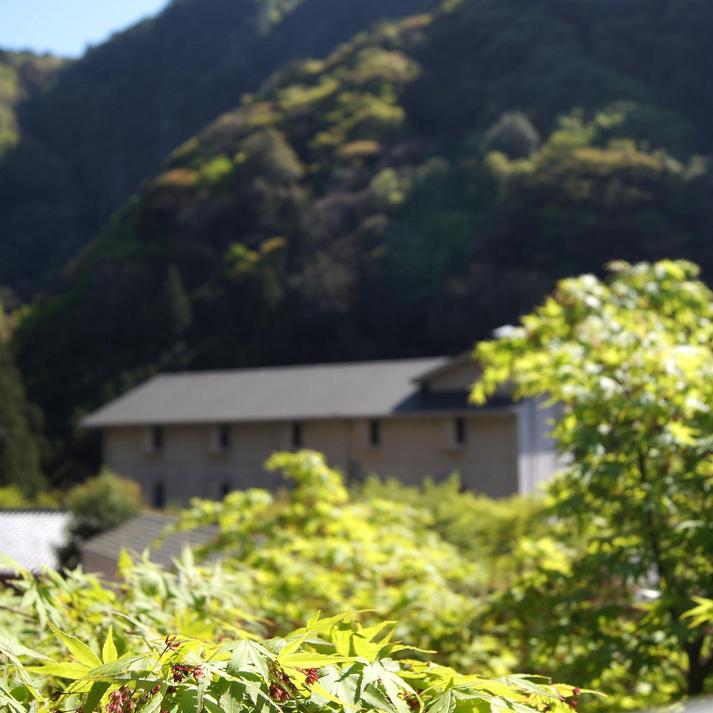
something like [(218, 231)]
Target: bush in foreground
[(316, 547), (120, 652), (630, 360)]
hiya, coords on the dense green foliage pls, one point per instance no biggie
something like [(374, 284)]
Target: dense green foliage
[(12, 497), (177, 642), (108, 120), (96, 506), (192, 638), (485, 531), (317, 549), (604, 597), (19, 452), (404, 195)]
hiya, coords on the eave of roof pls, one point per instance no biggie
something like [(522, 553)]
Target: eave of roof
[(447, 367)]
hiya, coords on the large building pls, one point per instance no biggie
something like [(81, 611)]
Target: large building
[(204, 434)]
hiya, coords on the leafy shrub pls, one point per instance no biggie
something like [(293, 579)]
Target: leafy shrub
[(316, 548), (12, 498), (485, 530), (96, 506)]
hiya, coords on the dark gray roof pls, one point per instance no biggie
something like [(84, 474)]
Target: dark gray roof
[(357, 390), (141, 532), (31, 537)]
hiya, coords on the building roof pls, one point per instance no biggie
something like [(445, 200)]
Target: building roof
[(141, 532), (31, 537), (356, 390), (444, 366)]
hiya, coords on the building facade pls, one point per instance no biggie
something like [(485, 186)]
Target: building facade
[(205, 434)]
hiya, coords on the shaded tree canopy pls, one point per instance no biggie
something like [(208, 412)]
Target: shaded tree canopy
[(19, 450)]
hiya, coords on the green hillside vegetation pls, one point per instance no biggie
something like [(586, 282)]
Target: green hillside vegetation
[(109, 119), (424, 183), (20, 469), (22, 76)]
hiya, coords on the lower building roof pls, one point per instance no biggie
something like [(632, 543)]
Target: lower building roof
[(142, 533)]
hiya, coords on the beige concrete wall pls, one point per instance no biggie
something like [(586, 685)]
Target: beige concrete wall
[(411, 449), (187, 464)]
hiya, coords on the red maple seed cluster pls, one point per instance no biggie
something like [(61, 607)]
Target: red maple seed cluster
[(278, 693), (311, 676), (411, 700), (120, 701), (282, 689), (181, 671), (572, 701)]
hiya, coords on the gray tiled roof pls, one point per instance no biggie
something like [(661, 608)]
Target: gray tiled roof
[(140, 533), (362, 389), (31, 537)]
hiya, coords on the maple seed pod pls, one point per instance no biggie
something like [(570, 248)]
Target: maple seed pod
[(311, 676), (179, 672), (278, 693), (172, 642)]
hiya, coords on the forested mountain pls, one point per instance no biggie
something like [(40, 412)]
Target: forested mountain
[(109, 119), (22, 76), (19, 426), (404, 195)]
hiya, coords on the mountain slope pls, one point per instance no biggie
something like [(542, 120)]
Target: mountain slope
[(19, 450), (22, 75), (426, 182), (109, 119)]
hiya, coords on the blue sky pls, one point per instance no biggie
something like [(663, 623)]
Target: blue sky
[(65, 27)]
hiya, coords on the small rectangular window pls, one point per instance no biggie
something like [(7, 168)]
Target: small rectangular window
[(225, 489), (159, 495), (157, 439), (224, 437), (374, 433), (297, 436), (459, 431)]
